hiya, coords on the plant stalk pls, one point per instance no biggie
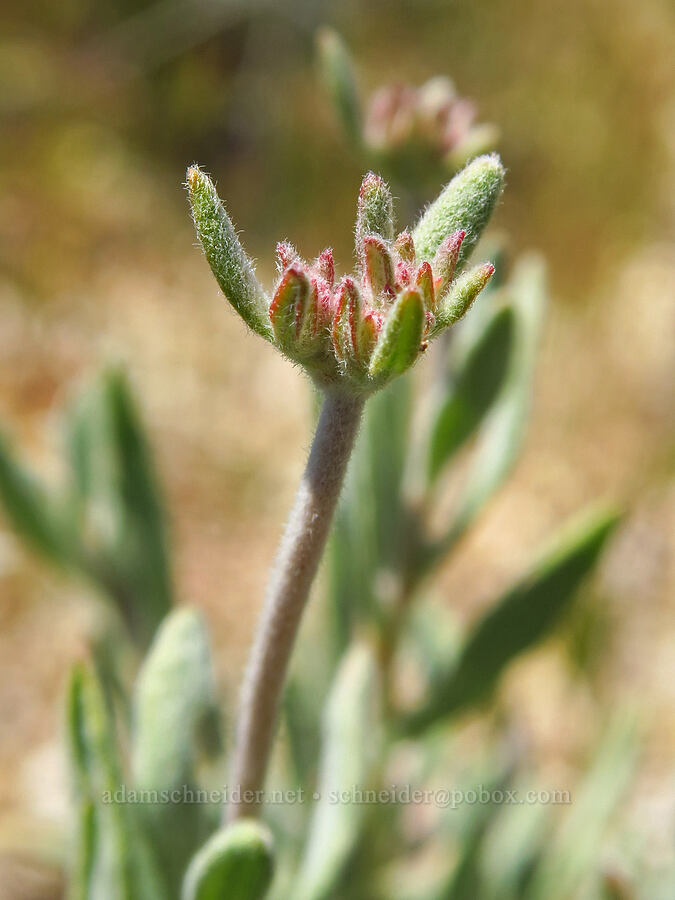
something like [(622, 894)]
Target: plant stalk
[(296, 565)]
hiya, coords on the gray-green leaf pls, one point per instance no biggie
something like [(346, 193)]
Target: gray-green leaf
[(348, 748), (523, 616), (474, 388), (174, 696), (112, 856), (236, 863)]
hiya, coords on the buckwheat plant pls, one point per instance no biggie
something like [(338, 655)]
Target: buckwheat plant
[(352, 335)]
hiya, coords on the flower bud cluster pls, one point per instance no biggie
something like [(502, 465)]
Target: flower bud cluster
[(360, 331)]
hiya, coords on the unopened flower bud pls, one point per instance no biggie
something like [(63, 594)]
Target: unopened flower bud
[(375, 212)]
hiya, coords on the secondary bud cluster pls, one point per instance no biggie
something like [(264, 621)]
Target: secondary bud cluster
[(432, 119), (414, 133), (361, 330)]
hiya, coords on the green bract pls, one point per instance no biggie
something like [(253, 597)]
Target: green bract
[(359, 332)]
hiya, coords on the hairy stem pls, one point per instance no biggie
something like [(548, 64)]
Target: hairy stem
[(297, 562)]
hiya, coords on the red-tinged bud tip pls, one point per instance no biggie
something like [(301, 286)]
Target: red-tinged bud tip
[(325, 265), (371, 181), (454, 240), (286, 254)]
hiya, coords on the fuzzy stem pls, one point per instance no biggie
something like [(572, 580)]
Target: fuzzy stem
[(297, 562)]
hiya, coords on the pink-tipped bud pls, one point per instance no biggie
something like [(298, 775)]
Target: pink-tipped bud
[(348, 300), (425, 284), (404, 275), (354, 331), (288, 307), (404, 246), (325, 266), (325, 302), (287, 255), (378, 275), (445, 262)]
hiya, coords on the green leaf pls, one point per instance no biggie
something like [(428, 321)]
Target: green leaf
[(229, 263), (503, 431), (141, 553), (466, 881), (235, 864), (475, 386), (467, 203), (31, 511), (174, 697), (113, 858), (337, 71), (398, 345), (523, 616), (115, 506), (462, 295), (370, 526), (345, 766), (575, 851)]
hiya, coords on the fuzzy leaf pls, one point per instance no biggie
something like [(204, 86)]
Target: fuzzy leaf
[(337, 70), (399, 342), (462, 295), (115, 506), (235, 864), (523, 616), (466, 203), (229, 263), (112, 858), (368, 531), (574, 851), (475, 387), (141, 555), (502, 435), (30, 510), (174, 698), (345, 766)]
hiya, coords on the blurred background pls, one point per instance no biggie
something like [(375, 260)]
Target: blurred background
[(102, 105)]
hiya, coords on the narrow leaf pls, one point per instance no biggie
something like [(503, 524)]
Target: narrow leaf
[(229, 263), (575, 851), (142, 547), (345, 766), (113, 858), (475, 387), (173, 700), (504, 429), (523, 616), (30, 510), (337, 70), (462, 294)]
